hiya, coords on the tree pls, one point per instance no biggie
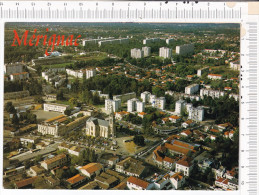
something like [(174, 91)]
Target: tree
[(72, 101), (38, 99), (67, 112), (60, 95), (15, 120), (139, 140), (10, 108), (60, 173)]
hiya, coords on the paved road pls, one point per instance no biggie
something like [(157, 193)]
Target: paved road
[(28, 155)]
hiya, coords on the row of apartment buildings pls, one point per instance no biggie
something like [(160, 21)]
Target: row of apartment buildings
[(138, 53)]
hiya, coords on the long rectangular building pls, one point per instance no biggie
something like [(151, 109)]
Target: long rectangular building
[(55, 107)]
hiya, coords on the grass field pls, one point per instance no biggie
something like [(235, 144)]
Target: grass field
[(92, 56), (57, 65)]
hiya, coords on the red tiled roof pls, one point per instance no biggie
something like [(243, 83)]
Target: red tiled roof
[(177, 176), (170, 160), (183, 144), (174, 117), (25, 182), (138, 182), (218, 75), (92, 167), (214, 130), (188, 122), (75, 179), (55, 158), (177, 148), (20, 73), (185, 162), (187, 132)]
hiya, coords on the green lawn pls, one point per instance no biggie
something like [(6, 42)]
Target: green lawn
[(57, 65)]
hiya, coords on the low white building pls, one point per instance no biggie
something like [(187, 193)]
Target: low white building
[(75, 73), (215, 76), (134, 183), (211, 93), (191, 89), (55, 107)]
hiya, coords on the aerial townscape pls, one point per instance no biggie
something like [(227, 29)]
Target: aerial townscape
[(132, 107)]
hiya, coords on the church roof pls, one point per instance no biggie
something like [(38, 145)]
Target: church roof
[(99, 122)]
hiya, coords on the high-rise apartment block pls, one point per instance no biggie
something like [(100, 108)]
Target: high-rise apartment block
[(136, 53), (147, 51), (185, 49), (165, 52)]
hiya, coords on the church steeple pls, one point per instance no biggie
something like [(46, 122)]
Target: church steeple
[(112, 124)]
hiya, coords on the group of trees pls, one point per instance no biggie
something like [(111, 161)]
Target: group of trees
[(32, 85), (133, 119), (223, 109), (139, 140), (88, 155), (108, 84), (27, 116)]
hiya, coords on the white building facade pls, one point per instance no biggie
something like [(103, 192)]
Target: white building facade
[(165, 52), (55, 107), (136, 53), (191, 89), (147, 51), (112, 105)]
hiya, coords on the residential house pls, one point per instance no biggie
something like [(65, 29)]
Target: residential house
[(25, 183), (56, 161), (51, 181), (35, 171), (91, 169), (76, 180), (184, 165), (186, 133), (188, 123), (177, 180), (174, 119), (134, 183), (130, 166), (109, 159), (142, 114), (222, 183)]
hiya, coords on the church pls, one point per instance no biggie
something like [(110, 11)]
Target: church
[(100, 128)]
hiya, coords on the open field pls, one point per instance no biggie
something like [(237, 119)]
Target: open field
[(43, 115), (62, 65)]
